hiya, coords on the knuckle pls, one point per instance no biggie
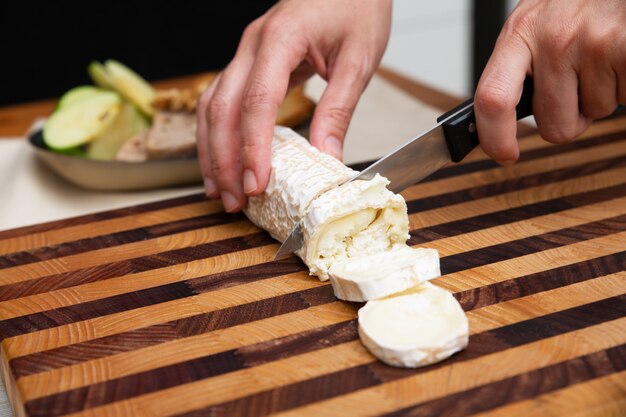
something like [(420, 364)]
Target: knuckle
[(256, 98), (340, 114), (557, 134), (559, 40), (598, 46), (519, 23), (598, 110), (222, 167), (217, 109), (492, 100)]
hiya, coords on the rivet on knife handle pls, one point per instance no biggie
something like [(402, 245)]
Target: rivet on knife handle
[(460, 130)]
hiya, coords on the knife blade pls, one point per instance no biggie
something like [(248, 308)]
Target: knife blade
[(449, 140)]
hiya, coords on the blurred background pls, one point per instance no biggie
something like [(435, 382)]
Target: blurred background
[(443, 43)]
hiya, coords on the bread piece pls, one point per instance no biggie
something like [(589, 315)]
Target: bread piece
[(133, 149), (172, 135)]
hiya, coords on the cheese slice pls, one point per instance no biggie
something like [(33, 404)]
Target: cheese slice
[(418, 327), (368, 277)]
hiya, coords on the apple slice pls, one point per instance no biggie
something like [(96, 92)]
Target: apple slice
[(131, 86), (80, 123), (127, 123), (77, 94), (99, 75)]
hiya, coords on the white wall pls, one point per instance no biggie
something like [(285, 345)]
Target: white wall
[(431, 42)]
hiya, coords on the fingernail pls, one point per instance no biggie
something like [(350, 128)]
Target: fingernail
[(507, 162), (229, 201), (209, 187), (332, 146), (249, 181)]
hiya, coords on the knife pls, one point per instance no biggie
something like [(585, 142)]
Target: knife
[(450, 140)]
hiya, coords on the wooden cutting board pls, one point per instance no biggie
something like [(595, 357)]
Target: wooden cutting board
[(175, 308)]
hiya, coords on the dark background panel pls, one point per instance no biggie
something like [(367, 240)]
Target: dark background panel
[(46, 46)]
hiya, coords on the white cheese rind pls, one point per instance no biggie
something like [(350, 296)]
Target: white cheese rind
[(299, 174), (381, 274), (416, 328), (355, 219)]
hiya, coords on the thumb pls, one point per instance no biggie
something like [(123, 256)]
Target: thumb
[(336, 106)]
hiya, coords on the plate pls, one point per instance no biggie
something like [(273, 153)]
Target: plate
[(98, 175)]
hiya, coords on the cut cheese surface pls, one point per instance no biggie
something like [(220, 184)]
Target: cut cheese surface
[(415, 328), (363, 278), (358, 218)]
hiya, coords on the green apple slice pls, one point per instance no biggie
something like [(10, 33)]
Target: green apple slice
[(99, 75), (128, 122), (80, 123), (77, 94), (131, 86)]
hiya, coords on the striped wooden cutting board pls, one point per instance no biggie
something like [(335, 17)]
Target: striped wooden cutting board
[(175, 308)]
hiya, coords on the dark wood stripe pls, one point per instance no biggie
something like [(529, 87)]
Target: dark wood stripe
[(120, 238), (541, 281), (103, 215), (105, 271), (368, 375), (485, 221), (470, 299), (520, 183), (129, 301), (522, 387), (130, 266), (194, 370), (169, 292), (532, 244)]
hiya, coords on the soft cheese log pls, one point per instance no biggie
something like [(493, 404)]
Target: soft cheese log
[(380, 274), (354, 219), (418, 327), (299, 174)]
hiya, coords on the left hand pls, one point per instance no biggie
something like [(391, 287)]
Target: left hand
[(576, 52)]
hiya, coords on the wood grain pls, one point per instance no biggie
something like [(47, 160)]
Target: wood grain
[(175, 308)]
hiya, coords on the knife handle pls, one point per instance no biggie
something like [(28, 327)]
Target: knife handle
[(460, 129)]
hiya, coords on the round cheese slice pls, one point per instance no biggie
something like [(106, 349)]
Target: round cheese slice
[(415, 328), (365, 278)]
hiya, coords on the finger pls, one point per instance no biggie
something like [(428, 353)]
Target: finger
[(222, 117), (556, 102), (335, 108), (202, 140), (597, 79), (265, 89), (498, 93)]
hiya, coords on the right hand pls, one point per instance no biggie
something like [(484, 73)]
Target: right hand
[(342, 41)]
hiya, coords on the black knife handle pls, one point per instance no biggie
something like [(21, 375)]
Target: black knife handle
[(460, 130)]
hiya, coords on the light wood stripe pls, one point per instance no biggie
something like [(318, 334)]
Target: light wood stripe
[(533, 263), (102, 227), (519, 198), (600, 397), (127, 251), (465, 375), (532, 167), (119, 322), (376, 400), (142, 360)]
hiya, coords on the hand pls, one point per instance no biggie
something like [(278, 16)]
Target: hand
[(576, 52), (342, 41)]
